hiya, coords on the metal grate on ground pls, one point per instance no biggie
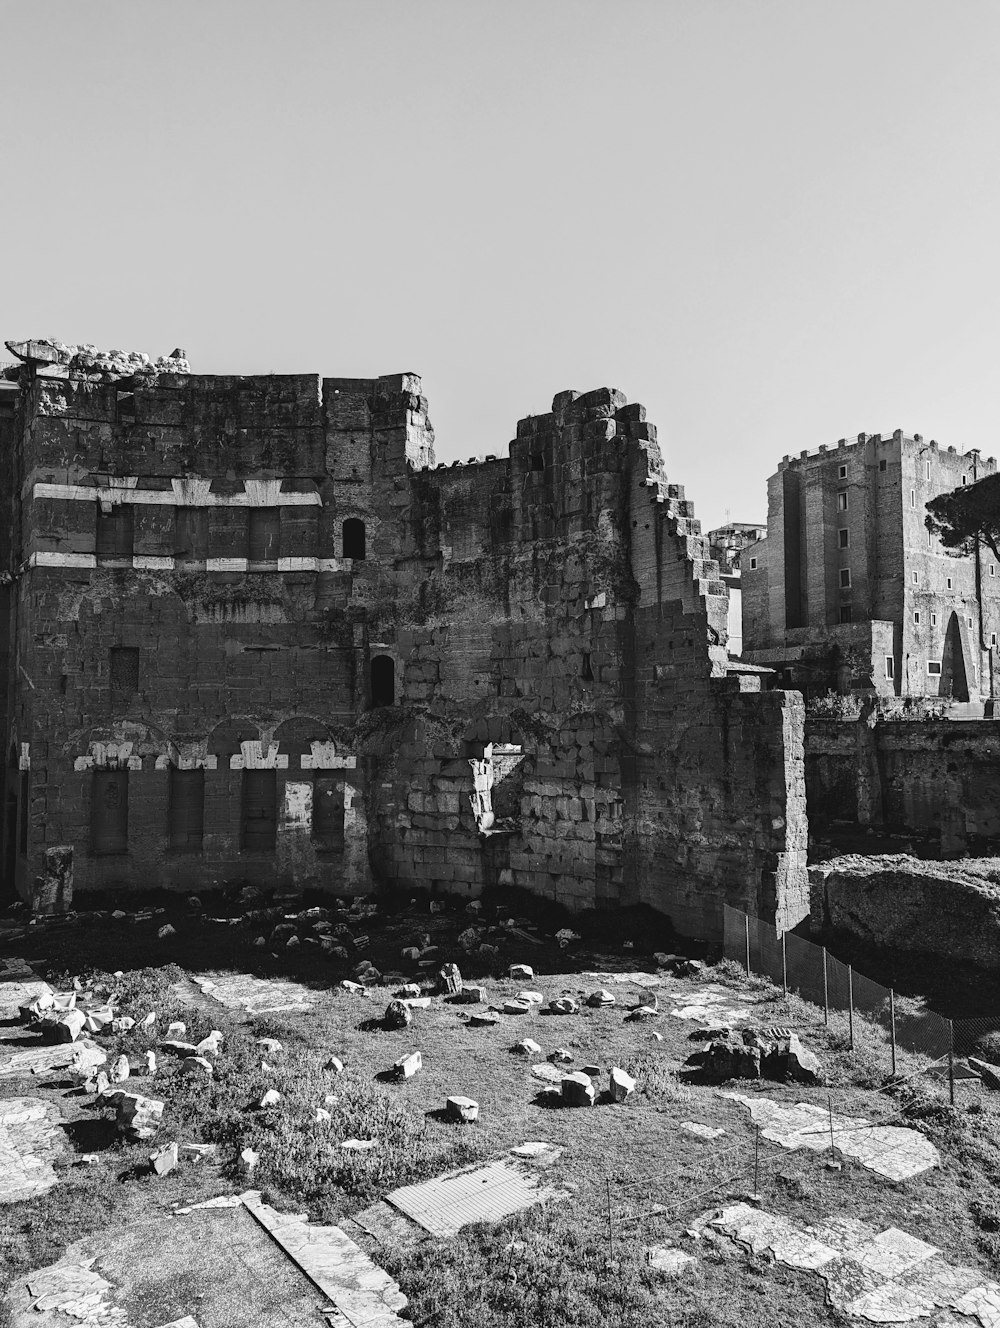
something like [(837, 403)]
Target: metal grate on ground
[(475, 1194)]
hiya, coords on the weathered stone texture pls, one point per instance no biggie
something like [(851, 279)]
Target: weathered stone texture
[(550, 626)]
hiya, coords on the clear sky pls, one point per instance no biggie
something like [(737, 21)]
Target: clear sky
[(774, 223)]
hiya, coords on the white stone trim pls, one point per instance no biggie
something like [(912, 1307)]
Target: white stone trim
[(145, 562), (254, 757), (189, 491), (187, 763), (109, 756), (24, 756), (323, 756), (50, 558), (227, 564)]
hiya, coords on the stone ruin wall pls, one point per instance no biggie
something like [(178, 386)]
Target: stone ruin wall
[(563, 718)]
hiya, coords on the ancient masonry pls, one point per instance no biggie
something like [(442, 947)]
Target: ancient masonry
[(255, 635), (850, 591)]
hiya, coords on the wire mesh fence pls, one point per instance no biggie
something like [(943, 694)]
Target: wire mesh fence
[(867, 1015)]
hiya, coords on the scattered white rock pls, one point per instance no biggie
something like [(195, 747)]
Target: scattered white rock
[(526, 1047), (322, 1115), (166, 931), (577, 1089), (622, 1084), (514, 1006), (177, 1029), (521, 972), (462, 1109), (271, 1098), (248, 1161), (600, 998), (198, 1065), (164, 1159), (564, 1005), (359, 1145), (668, 1260), (407, 1066), (150, 1062), (211, 1045), (120, 1070), (561, 1056), (335, 1064)]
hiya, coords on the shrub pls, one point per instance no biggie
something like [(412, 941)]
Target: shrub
[(987, 1048)]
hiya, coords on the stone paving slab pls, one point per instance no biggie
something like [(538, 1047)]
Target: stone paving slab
[(892, 1150), (363, 1293), (242, 991), (712, 1006), (29, 1139), (885, 1276)]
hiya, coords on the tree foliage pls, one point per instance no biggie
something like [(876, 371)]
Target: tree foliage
[(960, 517)]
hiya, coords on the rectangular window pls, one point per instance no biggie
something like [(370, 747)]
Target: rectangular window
[(965, 479), (265, 534), (845, 613), (125, 407), (109, 812), (969, 623), (843, 538), (124, 672), (927, 470), (843, 472), (881, 465), (115, 532), (845, 578), (191, 533), (993, 639), (842, 501), (993, 569), (913, 497), (948, 582), (933, 619), (915, 578), (328, 811), (934, 667), (916, 615), (889, 667), (186, 810), (258, 811), (753, 564)]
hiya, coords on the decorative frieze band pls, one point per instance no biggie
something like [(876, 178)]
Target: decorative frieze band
[(151, 563), (191, 491)]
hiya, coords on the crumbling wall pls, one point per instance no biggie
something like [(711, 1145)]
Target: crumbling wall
[(935, 780), (508, 673)]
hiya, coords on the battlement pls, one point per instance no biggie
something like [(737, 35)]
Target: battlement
[(898, 436)]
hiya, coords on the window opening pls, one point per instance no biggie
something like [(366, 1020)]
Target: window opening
[(842, 501), (537, 461), (845, 578), (845, 613), (354, 538), (383, 680), (844, 536), (934, 667), (890, 668)]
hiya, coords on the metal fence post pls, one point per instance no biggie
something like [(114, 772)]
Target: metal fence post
[(892, 1027), (850, 1004), (784, 968), (611, 1239), (951, 1061), (746, 928), (826, 991)]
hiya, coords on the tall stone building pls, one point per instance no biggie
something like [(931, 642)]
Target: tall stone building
[(256, 635), (727, 544), (850, 591)]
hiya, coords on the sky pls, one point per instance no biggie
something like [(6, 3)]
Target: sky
[(774, 223)]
